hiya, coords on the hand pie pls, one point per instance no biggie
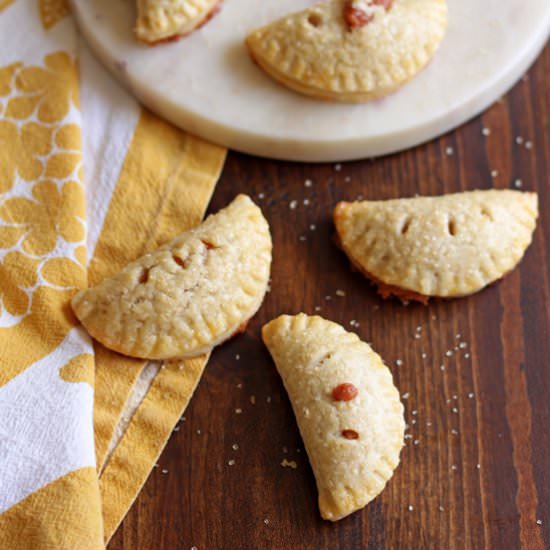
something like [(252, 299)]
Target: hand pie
[(188, 296), (352, 51), (348, 410), (446, 246), (164, 20)]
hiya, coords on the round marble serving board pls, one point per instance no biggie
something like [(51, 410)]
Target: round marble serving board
[(207, 84)]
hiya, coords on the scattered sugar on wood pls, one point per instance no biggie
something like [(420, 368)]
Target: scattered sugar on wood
[(289, 464)]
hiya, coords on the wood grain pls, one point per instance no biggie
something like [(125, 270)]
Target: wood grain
[(475, 372)]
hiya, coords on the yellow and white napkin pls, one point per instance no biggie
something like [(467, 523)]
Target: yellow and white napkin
[(89, 180)]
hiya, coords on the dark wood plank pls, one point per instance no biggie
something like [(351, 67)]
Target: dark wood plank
[(475, 372)]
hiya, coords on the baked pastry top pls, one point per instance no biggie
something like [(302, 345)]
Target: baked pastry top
[(162, 20), (447, 246), (189, 295), (346, 405), (350, 51)]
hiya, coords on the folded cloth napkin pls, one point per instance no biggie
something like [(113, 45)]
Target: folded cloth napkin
[(88, 181)]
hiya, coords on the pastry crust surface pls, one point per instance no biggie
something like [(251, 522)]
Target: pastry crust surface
[(163, 20), (353, 438), (189, 295), (316, 53), (447, 246)]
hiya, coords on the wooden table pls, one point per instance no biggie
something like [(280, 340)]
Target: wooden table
[(474, 373)]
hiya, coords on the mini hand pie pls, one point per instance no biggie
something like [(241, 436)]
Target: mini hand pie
[(163, 20), (348, 410), (188, 296), (351, 51), (446, 246)]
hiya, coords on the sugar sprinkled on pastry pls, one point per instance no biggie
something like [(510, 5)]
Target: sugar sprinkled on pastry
[(351, 51), (346, 405), (165, 20), (447, 246), (188, 296)]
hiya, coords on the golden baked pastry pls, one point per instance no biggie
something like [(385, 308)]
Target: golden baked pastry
[(350, 51), (446, 246), (347, 407), (188, 296), (165, 20)]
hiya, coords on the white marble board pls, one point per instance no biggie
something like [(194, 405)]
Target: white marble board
[(207, 84)]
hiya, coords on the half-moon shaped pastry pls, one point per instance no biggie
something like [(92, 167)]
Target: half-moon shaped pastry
[(347, 407), (165, 20), (447, 246), (188, 296), (352, 51)]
